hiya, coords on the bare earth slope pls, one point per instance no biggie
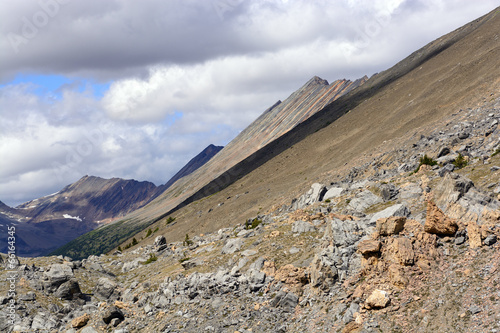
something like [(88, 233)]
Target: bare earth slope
[(281, 118), (457, 71), (349, 230)]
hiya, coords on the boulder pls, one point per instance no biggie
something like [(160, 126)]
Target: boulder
[(400, 250), (334, 192), (390, 225), (111, 313), (369, 247), (364, 200), (388, 192), (105, 288), (302, 226), (57, 275), (68, 290), (159, 241), (446, 169), (474, 233), (395, 210), (437, 223), (377, 300), (81, 321), (286, 301), (232, 245), (314, 195), (490, 240)]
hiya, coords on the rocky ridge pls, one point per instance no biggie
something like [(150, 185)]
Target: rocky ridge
[(391, 245)]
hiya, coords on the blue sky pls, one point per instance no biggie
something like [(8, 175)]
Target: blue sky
[(54, 85), (135, 89)]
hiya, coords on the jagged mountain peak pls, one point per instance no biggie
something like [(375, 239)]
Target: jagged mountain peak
[(316, 81)]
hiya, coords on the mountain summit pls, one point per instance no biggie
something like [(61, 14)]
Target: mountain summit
[(224, 168)]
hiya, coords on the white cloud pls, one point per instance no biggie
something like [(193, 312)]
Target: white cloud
[(185, 74)]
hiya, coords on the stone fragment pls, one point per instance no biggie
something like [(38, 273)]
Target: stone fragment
[(334, 192), (302, 226), (292, 277), (111, 313), (364, 200), (68, 290), (80, 321), (437, 223), (395, 210), (396, 276), (232, 245), (286, 301), (160, 241), (390, 225), (400, 250), (104, 288), (57, 275), (474, 233), (368, 247), (490, 240), (377, 300)]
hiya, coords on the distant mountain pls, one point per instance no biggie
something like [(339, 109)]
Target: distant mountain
[(46, 223), (279, 119), (195, 163)]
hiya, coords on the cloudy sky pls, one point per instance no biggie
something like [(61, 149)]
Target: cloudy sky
[(134, 89)]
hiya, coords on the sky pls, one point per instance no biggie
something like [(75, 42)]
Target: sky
[(135, 89)]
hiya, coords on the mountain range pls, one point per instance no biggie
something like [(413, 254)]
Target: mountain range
[(373, 209), (45, 224)]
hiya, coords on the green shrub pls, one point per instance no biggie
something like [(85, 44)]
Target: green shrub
[(134, 241), (459, 162), (328, 201), (496, 152), (156, 229), (170, 220), (152, 258), (425, 160), (183, 259), (120, 248), (187, 241), (254, 224), (149, 232)]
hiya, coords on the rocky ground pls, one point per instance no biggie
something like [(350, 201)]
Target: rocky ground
[(382, 248)]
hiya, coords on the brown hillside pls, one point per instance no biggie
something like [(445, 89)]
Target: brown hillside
[(456, 71)]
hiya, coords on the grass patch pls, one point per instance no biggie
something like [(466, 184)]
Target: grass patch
[(252, 224), (151, 259)]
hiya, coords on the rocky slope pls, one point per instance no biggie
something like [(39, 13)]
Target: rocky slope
[(345, 231), (453, 72), (391, 246), (278, 120)]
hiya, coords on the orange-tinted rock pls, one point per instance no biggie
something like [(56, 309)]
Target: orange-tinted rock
[(390, 225), (369, 247), (438, 223), (80, 321), (400, 250), (474, 233), (377, 300)]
